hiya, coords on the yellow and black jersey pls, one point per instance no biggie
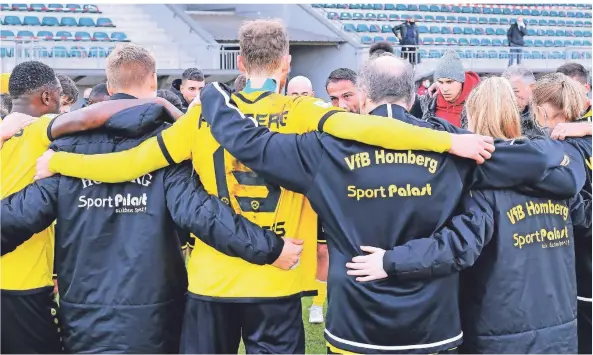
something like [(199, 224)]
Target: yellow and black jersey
[(30, 266), (212, 274)]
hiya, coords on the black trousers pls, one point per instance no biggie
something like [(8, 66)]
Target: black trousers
[(584, 327), (269, 327)]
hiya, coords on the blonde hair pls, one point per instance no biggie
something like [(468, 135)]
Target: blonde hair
[(561, 92), (129, 65), (492, 109), (263, 43)]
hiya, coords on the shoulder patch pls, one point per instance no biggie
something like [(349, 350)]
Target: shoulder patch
[(322, 104), (565, 161)]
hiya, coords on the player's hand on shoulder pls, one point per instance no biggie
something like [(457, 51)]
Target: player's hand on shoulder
[(472, 146), (571, 129), (42, 168), (13, 123), (291, 254), (368, 267)]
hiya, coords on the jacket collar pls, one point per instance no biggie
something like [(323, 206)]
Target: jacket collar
[(392, 111), (121, 96), (136, 121)]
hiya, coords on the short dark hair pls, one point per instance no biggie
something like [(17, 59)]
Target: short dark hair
[(5, 105), (193, 74), (380, 48), (574, 71), (341, 74), (171, 97), (29, 77), (98, 92), (69, 88)]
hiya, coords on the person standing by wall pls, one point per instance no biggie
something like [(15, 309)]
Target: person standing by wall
[(409, 38), (515, 35)]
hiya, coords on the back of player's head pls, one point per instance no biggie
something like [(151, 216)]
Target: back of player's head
[(387, 79), (193, 74), (341, 74), (574, 71), (99, 94), (5, 105), (130, 66), (171, 97), (380, 48), (263, 46), (518, 71), (32, 77), (69, 89)]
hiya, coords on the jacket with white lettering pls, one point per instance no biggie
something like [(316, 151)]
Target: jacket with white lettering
[(122, 279), (370, 196)]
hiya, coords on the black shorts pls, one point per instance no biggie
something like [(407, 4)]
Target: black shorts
[(584, 327), (270, 327), (30, 322)]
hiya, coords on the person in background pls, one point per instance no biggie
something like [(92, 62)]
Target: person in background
[(409, 38), (69, 93), (85, 96), (578, 73), (171, 97), (5, 105), (379, 48), (300, 86), (454, 87), (189, 86), (522, 81), (423, 88), (504, 239), (240, 83), (98, 94), (515, 35), (341, 89)]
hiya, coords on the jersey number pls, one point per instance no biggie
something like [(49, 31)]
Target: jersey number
[(247, 178)]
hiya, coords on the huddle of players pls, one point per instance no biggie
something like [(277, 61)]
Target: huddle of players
[(230, 298)]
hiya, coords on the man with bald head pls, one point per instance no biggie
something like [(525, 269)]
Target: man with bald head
[(300, 86)]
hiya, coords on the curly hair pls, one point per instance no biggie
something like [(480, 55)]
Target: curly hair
[(29, 77), (69, 89)]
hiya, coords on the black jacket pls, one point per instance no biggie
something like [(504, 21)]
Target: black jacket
[(515, 35), (122, 279), (175, 87), (529, 128), (404, 194), (401, 32)]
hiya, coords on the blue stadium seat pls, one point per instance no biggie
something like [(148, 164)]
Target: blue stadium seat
[(20, 7), (423, 53), (440, 41), (588, 23), (12, 20), (483, 21), (317, 5), (485, 42), (476, 10), (386, 29), (405, 17), (578, 33), (25, 35), (5, 7), (390, 7), (401, 7), (452, 41), (560, 33), (31, 21), (463, 42), (48, 36), (532, 22), (427, 41), (429, 18), (423, 8), (579, 23), (569, 33), (38, 7), (587, 43), (392, 39), (545, 13), (370, 16), (73, 8), (531, 32), (382, 17), (362, 28), (543, 22), (549, 43), (435, 8), (570, 23), (456, 9), (507, 11), (445, 8), (497, 43), (393, 17), (462, 19), (68, 21), (535, 12), (541, 32), (119, 36), (492, 54), (493, 21), (552, 23), (525, 12), (505, 42), (528, 43), (378, 39), (561, 23), (412, 7), (474, 42), (422, 29), (571, 14), (59, 52), (550, 33), (433, 53), (568, 43), (78, 52), (97, 52), (440, 18), (466, 9), (93, 9), (332, 15), (348, 27), (329, 6), (55, 7), (357, 16), (468, 31), (536, 55), (497, 11), (581, 15), (435, 29), (5, 34), (553, 13), (517, 12), (82, 36), (446, 30), (374, 28), (366, 40), (418, 17), (473, 20), (100, 36), (561, 14), (63, 36), (479, 31), (377, 6), (490, 31), (500, 32), (487, 11), (40, 52), (504, 21), (587, 33), (345, 16), (457, 30), (6, 52), (558, 43), (50, 21)]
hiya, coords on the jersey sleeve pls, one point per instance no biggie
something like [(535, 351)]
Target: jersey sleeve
[(368, 129), (171, 146)]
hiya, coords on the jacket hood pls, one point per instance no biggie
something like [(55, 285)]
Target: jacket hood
[(138, 121), (176, 84)]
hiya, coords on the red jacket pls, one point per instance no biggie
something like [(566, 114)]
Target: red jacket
[(451, 112)]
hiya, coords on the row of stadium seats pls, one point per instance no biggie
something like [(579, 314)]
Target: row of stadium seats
[(64, 36), (454, 19), (492, 54), (484, 42), (53, 21), (60, 52), (460, 9), (50, 8), (468, 31)]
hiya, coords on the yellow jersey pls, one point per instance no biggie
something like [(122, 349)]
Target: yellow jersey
[(30, 266), (211, 273)]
